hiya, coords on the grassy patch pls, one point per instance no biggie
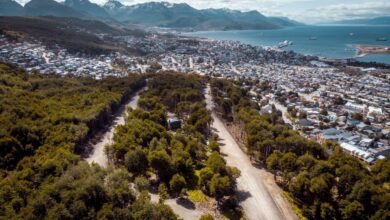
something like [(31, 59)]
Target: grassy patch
[(197, 196)]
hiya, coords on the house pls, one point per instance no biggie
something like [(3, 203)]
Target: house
[(333, 134), (266, 109), (366, 143), (375, 110), (332, 116), (354, 108), (352, 123), (354, 139), (174, 123), (362, 126), (304, 124), (357, 152)]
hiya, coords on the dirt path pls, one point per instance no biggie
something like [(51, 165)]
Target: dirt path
[(104, 138), (255, 197)]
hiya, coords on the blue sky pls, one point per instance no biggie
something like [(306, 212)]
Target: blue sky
[(309, 11)]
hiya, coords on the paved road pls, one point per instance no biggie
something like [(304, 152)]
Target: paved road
[(256, 200), (105, 138)]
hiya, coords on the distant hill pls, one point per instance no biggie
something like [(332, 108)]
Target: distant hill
[(88, 7), (51, 8), (164, 14), (370, 21), (10, 8), (74, 34)]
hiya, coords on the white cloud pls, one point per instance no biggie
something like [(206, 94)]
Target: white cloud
[(346, 11)]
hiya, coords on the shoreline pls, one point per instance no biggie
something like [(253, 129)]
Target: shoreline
[(354, 53), (366, 49)]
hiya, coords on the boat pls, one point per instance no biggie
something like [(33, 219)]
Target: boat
[(313, 38), (381, 39), (284, 44)]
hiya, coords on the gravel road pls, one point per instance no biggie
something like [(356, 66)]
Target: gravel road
[(105, 138), (256, 200)]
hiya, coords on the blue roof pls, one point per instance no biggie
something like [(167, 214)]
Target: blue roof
[(331, 131)]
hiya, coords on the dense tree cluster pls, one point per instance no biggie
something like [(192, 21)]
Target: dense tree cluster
[(85, 192), (48, 111), (182, 95), (339, 187), (180, 160), (324, 187), (43, 119), (228, 97)]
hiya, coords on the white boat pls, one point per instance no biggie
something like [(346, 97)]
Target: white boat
[(284, 44)]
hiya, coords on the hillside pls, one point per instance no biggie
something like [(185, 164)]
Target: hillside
[(88, 7), (51, 8), (10, 7), (74, 34)]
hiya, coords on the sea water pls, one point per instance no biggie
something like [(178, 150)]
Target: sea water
[(323, 41)]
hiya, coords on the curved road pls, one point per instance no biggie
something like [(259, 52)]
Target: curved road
[(256, 200), (105, 138)]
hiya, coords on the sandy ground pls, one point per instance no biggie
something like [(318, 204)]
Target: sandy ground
[(186, 212), (255, 197), (105, 138)]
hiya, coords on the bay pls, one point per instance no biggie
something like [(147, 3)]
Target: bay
[(323, 41)]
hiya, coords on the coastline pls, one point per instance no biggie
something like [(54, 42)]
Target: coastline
[(366, 49), (327, 43)]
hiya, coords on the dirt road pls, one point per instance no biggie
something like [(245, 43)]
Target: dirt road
[(105, 137), (255, 198)]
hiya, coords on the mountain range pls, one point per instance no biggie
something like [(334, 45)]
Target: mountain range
[(51, 8), (151, 14), (10, 8), (182, 15), (385, 20)]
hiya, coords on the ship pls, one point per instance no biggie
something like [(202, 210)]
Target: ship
[(312, 38), (284, 44), (381, 39)]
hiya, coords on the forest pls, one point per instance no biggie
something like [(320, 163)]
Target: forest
[(174, 162), (336, 186), (44, 119), (73, 34), (47, 119)]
